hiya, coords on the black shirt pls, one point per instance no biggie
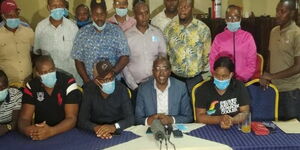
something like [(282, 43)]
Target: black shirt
[(95, 110), (50, 108), (235, 96)]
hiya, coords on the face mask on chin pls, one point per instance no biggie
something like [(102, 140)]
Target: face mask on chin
[(99, 28)]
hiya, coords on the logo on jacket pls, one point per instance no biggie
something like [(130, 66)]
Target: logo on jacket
[(212, 108)]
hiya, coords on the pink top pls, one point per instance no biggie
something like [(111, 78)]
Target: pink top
[(245, 52), (130, 22)]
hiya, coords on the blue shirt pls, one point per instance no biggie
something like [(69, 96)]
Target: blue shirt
[(91, 46)]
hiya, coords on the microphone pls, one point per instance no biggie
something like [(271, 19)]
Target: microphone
[(158, 130)]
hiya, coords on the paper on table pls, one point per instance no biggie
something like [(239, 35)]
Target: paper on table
[(291, 126), (186, 128)]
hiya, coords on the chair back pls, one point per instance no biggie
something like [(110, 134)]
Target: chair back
[(194, 95), (264, 102)]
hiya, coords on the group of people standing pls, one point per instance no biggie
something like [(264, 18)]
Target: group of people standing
[(158, 61)]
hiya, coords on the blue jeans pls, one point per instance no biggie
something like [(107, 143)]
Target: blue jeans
[(289, 105)]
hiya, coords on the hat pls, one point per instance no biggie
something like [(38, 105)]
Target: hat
[(103, 68), (8, 5)]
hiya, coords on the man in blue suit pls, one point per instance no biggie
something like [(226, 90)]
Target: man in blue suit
[(163, 97)]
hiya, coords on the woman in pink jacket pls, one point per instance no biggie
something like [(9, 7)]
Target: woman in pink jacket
[(237, 43)]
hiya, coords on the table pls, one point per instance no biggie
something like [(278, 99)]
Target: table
[(277, 140), (74, 139)]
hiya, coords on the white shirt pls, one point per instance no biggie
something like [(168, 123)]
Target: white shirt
[(162, 100), (58, 43), (161, 20)]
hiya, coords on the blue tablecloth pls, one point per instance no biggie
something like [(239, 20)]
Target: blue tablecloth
[(74, 139), (277, 140)]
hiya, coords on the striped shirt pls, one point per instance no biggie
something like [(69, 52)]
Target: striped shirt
[(12, 102)]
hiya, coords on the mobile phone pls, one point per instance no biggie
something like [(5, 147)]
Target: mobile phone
[(149, 131), (177, 134)]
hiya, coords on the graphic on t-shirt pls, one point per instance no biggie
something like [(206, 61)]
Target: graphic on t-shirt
[(229, 106), (40, 96), (212, 108)]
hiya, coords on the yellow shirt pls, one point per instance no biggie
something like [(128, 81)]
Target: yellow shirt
[(15, 49), (284, 47), (188, 48)]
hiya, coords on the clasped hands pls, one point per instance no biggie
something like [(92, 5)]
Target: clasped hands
[(39, 131), (164, 119), (105, 131)]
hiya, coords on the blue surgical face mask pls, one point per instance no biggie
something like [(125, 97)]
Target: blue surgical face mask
[(57, 13), (221, 84), (121, 11), (83, 23), (108, 87), (3, 94), (49, 79), (99, 28), (233, 26), (66, 12), (13, 22)]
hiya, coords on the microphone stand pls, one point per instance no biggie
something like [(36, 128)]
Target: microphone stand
[(169, 129)]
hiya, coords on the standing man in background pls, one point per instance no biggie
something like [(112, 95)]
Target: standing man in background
[(188, 41), (16, 45), (284, 60), (121, 17), (169, 14), (55, 35)]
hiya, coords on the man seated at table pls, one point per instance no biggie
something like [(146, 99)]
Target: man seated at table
[(10, 105), (222, 100), (106, 108), (163, 97), (53, 98)]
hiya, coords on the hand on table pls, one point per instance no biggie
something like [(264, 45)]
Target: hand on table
[(226, 122), (105, 131), (41, 131)]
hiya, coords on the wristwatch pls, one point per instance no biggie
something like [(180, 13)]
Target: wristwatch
[(8, 126), (118, 129)]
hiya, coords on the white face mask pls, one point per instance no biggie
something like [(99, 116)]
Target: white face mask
[(99, 28)]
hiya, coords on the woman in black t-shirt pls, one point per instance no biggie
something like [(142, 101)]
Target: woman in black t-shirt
[(222, 100)]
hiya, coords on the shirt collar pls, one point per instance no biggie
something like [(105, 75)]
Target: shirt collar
[(115, 19), (156, 88), (292, 25), (50, 24), (138, 31)]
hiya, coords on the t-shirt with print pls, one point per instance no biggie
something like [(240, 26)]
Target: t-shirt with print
[(50, 108), (235, 96)]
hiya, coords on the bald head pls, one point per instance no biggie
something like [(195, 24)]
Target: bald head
[(139, 5)]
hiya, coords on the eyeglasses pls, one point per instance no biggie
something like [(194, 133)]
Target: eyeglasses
[(161, 68), (233, 18)]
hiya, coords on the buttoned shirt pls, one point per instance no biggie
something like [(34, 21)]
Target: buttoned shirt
[(127, 24), (144, 48), (57, 42), (162, 98), (188, 48), (91, 46), (162, 21), (284, 47), (15, 49)]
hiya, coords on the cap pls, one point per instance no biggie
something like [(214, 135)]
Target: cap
[(8, 5), (103, 68)]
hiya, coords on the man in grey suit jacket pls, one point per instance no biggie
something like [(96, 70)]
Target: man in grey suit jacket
[(163, 97)]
